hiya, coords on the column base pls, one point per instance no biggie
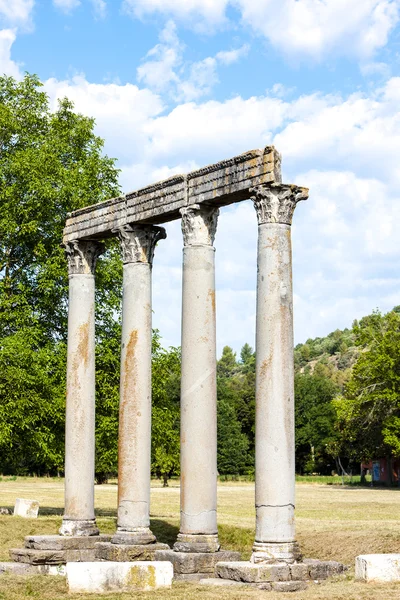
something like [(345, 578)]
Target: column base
[(74, 527), (273, 552), (138, 536), (197, 543)]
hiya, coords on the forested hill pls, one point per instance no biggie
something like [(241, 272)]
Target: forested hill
[(332, 356)]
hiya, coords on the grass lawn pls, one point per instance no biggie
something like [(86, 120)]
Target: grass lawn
[(332, 523)]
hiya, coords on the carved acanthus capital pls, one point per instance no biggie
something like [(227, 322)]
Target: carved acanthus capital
[(138, 242), (199, 225), (82, 256), (275, 203)]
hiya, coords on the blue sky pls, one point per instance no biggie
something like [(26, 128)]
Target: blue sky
[(176, 84)]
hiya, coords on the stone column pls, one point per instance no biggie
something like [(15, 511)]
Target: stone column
[(198, 528), (80, 403), (134, 445), (275, 458)]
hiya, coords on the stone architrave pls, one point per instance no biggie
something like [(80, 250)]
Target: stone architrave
[(134, 446), (275, 454), (198, 526), (79, 519)]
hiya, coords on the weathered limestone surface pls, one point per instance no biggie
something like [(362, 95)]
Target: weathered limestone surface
[(275, 454), (126, 553), (51, 557), (29, 509), (377, 567), (134, 441), (198, 527), (106, 577), (186, 563), (79, 516), (222, 183), (58, 542), (249, 572)]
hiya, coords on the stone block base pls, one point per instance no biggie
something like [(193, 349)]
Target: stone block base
[(57, 549), (106, 577), (278, 576), (199, 563), (378, 567), (127, 553)]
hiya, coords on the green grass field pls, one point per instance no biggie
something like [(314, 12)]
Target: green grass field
[(333, 522)]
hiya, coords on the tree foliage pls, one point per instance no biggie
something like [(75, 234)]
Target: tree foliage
[(369, 410)]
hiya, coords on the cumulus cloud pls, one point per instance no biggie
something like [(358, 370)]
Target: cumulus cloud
[(7, 65), (165, 71), (315, 28), (16, 12)]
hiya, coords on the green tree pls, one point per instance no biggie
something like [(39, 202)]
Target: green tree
[(227, 365), (50, 163), (232, 458), (236, 388), (314, 421), (166, 369), (368, 412)]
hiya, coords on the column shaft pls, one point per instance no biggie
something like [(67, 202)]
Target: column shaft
[(134, 443), (275, 451), (198, 528), (79, 516)]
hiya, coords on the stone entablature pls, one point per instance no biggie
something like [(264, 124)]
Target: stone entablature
[(223, 183)]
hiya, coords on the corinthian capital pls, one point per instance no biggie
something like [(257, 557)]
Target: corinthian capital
[(82, 256), (276, 202), (138, 242), (199, 225)]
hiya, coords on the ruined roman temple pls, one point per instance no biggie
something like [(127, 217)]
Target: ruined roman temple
[(136, 219)]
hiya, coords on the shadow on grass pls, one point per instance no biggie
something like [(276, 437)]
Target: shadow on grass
[(165, 532)]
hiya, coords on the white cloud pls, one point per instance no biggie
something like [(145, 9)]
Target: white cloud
[(316, 28), (210, 12), (16, 12), (7, 65), (67, 6), (158, 72), (165, 70), (228, 57)]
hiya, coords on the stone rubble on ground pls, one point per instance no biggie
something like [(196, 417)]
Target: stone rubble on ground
[(29, 509), (377, 567)]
